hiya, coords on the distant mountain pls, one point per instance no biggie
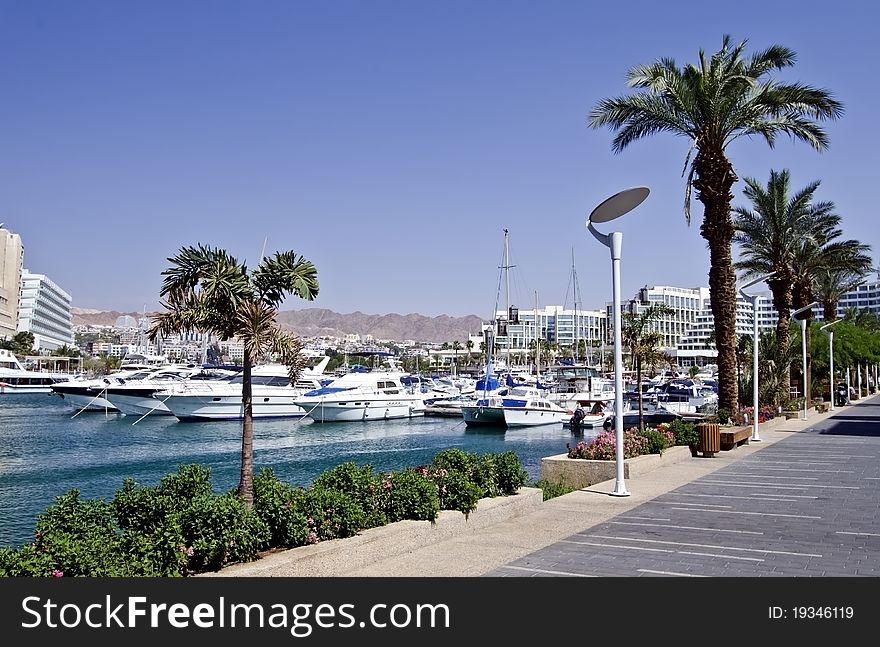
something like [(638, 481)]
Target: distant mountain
[(314, 322)]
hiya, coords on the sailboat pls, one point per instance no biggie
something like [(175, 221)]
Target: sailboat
[(488, 409)]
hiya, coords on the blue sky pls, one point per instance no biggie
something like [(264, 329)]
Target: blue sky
[(389, 142)]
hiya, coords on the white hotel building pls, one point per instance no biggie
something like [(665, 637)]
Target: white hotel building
[(44, 311)]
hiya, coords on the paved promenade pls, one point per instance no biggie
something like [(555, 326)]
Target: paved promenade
[(804, 501)]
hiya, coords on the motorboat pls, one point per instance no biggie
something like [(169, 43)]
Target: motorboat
[(272, 394), (520, 406), (363, 396), (653, 413), (687, 396), (532, 410), (15, 378), (90, 394), (137, 396)]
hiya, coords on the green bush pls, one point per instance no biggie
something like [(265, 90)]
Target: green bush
[(510, 473), (552, 489), (280, 506), (220, 530), (685, 433), (455, 491), (409, 495), (26, 561), (332, 514), (656, 441), (80, 538), (361, 484)]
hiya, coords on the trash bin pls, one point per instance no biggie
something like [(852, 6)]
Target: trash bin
[(709, 435)]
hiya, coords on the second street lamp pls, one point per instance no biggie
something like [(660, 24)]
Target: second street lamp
[(831, 386), (754, 299), (804, 322)]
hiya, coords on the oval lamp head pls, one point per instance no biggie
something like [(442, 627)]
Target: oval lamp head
[(619, 204)]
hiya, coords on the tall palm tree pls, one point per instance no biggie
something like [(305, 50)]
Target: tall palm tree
[(208, 290), (639, 335), (723, 98), (768, 235)]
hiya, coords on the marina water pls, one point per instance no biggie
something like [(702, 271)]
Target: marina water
[(47, 449)]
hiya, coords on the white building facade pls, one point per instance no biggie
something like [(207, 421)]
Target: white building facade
[(44, 311)]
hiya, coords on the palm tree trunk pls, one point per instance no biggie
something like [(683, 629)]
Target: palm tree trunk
[(246, 481), (714, 179), (639, 388), (782, 296)]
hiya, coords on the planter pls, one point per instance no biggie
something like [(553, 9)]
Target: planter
[(579, 473), (709, 434)]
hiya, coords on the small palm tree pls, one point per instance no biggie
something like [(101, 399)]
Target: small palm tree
[(207, 290), (831, 285), (641, 339), (724, 97), (769, 234)]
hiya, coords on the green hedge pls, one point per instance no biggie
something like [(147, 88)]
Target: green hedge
[(182, 527)]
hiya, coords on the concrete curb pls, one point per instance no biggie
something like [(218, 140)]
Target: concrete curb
[(339, 556), (579, 473)]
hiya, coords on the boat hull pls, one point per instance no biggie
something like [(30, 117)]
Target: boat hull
[(483, 416), (529, 417), (362, 410), (84, 398), (229, 407), (131, 404)]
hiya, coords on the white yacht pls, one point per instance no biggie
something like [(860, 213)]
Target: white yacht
[(272, 394), (363, 395), (89, 394), (137, 396), (15, 378)]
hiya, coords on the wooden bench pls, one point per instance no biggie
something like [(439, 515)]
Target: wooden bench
[(731, 438)]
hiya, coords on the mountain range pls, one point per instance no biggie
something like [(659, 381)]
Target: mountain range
[(316, 322)]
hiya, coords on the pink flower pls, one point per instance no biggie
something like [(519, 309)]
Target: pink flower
[(57, 573), (189, 551)]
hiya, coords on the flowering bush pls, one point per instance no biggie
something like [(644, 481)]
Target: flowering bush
[(635, 443), (604, 446), (765, 413)]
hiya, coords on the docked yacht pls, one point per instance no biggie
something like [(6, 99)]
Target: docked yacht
[(531, 410), (15, 378), (137, 396), (90, 394), (272, 394), (362, 396)]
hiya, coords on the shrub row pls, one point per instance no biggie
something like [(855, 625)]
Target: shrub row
[(651, 440), (181, 527)]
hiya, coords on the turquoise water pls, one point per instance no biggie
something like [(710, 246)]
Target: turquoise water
[(47, 449)]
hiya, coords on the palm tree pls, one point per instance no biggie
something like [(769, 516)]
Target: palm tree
[(641, 339), (831, 285), (817, 254), (723, 98), (768, 236), (208, 290), (470, 347), (456, 346)]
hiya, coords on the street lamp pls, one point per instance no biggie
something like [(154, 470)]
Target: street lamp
[(754, 299), (831, 357), (612, 208), (804, 348)]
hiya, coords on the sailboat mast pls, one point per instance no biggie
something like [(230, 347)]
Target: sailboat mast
[(506, 267), (575, 291), (537, 345)]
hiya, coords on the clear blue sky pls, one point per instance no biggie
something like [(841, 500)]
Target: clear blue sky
[(388, 142)]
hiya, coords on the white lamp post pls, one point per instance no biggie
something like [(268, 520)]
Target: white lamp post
[(804, 349), (612, 208), (754, 299), (831, 357)]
